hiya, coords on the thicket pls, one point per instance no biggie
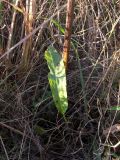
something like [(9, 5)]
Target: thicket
[(54, 106)]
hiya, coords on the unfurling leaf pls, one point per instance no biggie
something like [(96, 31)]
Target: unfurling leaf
[(57, 79)]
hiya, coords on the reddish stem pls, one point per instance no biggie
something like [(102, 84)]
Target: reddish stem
[(67, 38)]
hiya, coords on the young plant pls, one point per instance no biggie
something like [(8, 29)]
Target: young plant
[(73, 42), (57, 79)]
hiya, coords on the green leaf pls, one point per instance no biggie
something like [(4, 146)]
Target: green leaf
[(1, 12), (57, 79), (39, 130), (115, 108), (61, 29)]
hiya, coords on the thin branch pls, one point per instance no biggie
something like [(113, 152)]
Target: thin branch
[(7, 157)]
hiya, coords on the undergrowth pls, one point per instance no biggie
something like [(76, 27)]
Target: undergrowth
[(30, 125)]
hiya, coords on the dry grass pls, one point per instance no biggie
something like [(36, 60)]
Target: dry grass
[(30, 127)]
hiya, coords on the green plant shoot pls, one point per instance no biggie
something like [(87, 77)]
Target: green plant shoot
[(57, 79), (115, 108)]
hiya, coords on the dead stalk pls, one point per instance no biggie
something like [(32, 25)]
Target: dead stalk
[(29, 21), (39, 28), (11, 30)]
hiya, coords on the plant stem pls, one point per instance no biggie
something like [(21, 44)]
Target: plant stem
[(69, 20)]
